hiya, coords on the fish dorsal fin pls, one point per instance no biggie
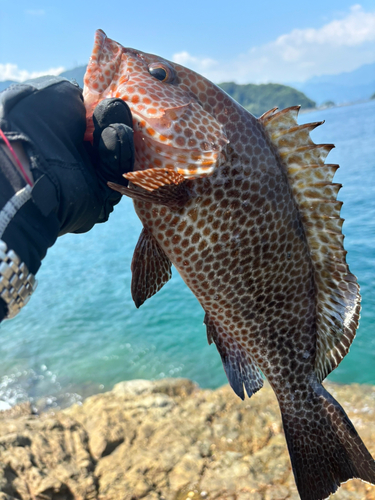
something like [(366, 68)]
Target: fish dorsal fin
[(338, 298)]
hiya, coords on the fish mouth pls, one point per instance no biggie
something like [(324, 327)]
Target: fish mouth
[(107, 61)]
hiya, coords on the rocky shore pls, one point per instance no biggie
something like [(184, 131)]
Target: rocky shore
[(160, 440)]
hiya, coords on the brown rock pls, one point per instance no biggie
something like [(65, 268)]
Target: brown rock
[(163, 440)]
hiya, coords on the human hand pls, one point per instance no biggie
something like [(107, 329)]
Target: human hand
[(46, 120)]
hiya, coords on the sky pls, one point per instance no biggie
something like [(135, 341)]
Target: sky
[(245, 41)]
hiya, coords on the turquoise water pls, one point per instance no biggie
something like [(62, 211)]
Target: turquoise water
[(81, 333)]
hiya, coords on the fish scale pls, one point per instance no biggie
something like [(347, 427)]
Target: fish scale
[(246, 210)]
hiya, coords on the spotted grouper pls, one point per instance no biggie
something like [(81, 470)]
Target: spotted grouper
[(246, 210)]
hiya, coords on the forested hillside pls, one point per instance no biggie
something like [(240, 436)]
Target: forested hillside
[(260, 98)]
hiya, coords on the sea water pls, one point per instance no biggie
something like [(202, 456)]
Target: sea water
[(81, 333)]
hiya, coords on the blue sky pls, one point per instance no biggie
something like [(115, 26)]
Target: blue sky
[(244, 41)]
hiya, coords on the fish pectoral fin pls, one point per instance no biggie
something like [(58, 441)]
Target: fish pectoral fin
[(156, 185), (153, 178), (239, 367), (151, 268)]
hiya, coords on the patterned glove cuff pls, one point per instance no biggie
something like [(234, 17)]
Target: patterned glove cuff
[(16, 283)]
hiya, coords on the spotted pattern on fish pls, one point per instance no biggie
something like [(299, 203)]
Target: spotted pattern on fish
[(171, 130), (259, 243)]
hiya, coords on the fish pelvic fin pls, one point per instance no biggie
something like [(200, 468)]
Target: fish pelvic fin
[(151, 268), (239, 367), (310, 179), (324, 447)]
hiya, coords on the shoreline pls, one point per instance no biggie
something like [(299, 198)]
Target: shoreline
[(166, 439), (342, 105), (79, 393)]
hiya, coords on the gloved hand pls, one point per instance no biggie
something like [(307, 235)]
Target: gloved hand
[(46, 119)]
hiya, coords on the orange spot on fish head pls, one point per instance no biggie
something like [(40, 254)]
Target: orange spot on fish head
[(150, 131)]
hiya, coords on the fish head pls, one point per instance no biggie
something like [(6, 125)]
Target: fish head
[(175, 122)]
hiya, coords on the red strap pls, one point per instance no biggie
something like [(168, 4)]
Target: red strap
[(13, 153)]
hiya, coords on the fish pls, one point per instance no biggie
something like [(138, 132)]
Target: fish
[(246, 210)]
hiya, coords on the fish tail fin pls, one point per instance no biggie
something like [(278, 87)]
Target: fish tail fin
[(324, 447)]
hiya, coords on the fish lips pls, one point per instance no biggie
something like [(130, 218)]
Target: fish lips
[(106, 61)]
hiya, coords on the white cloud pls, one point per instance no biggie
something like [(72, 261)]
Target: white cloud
[(185, 59), (356, 28), (340, 45), (12, 72)]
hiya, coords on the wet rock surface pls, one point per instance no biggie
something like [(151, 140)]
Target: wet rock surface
[(163, 440)]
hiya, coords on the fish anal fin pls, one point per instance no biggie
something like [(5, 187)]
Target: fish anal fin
[(310, 179), (239, 367), (164, 187), (210, 329), (150, 267)]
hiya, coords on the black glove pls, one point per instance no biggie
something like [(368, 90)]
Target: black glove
[(70, 192)]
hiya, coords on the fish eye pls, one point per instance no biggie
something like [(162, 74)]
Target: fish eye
[(162, 72)]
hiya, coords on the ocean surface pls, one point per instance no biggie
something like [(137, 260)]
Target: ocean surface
[(81, 333)]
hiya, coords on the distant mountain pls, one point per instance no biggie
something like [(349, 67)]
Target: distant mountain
[(5, 84), (342, 88), (76, 74), (260, 98), (255, 98)]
